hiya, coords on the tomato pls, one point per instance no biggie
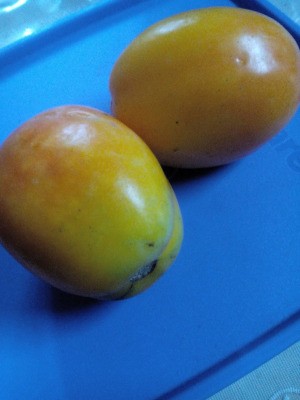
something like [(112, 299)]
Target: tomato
[(85, 205), (208, 86)]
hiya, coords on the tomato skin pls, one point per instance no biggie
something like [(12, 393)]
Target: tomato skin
[(207, 87), (85, 205)]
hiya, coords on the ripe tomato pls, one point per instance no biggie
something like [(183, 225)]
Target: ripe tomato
[(206, 87), (85, 205)]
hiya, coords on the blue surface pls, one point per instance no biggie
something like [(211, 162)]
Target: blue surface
[(230, 301)]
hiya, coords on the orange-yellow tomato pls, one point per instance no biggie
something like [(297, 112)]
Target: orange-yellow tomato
[(206, 87), (85, 205)]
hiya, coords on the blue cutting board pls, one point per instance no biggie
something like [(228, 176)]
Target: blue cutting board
[(231, 300)]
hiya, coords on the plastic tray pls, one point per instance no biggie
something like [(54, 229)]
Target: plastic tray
[(231, 300)]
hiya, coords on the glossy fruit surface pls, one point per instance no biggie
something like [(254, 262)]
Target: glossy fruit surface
[(208, 86), (85, 205)]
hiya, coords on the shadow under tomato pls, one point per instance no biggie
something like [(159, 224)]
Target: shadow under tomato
[(64, 303), (182, 175)]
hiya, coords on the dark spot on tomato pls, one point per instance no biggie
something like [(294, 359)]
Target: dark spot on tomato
[(144, 271), (139, 275)]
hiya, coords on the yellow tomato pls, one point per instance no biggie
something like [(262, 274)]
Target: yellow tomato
[(85, 205), (206, 87)]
